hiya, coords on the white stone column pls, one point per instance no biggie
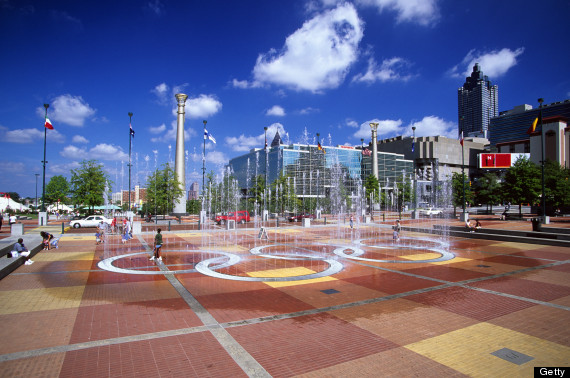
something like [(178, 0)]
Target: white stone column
[(374, 128), (179, 163)]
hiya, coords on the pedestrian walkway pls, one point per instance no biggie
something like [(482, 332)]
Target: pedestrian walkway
[(314, 302)]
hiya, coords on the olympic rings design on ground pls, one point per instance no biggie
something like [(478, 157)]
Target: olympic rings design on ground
[(107, 264), (445, 255)]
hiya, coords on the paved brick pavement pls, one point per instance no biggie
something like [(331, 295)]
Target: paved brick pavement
[(310, 302)]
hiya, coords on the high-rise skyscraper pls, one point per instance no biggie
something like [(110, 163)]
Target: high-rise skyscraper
[(477, 103)]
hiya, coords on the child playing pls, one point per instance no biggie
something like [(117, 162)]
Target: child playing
[(97, 238), (157, 246)]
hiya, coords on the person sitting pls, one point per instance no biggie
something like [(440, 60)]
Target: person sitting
[(468, 226), (477, 224), (97, 238), (21, 249)]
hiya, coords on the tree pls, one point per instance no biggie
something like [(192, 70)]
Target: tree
[(57, 189), (522, 183), (371, 185), (404, 189), (163, 190), (488, 190), (457, 185), (556, 184), (193, 206), (88, 184)]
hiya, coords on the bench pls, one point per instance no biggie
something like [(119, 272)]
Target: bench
[(9, 264), (496, 234)]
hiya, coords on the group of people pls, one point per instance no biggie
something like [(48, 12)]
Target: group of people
[(126, 232), (472, 227), (20, 249)]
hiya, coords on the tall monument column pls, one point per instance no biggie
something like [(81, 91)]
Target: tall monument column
[(374, 127), (179, 164)]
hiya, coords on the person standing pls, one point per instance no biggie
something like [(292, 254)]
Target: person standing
[(397, 228), (351, 221), (1, 220), (114, 225), (157, 245)]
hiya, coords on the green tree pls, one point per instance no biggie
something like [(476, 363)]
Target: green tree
[(88, 184), (404, 193), (163, 190), (372, 189), (522, 183), (57, 189), (457, 185), (556, 184), (193, 206), (256, 191), (488, 190)]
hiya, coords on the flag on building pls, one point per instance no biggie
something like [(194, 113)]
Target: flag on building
[(207, 135), (413, 146), (461, 140), (532, 127), (320, 148), (48, 124), (366, 152), (132, 132)]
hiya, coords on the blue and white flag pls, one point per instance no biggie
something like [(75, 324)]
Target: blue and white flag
[(207, 135)]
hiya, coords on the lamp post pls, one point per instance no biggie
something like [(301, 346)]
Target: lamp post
[(204, 162), (37, 175), (463, 216), (318, 144), (374, 129), (415, 185), (130, 135), (266, 167), (540, 101), (44, 162)]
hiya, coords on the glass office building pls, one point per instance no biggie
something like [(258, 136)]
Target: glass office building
[(315, 172), (477, 103), (312, 171), (512, 125)]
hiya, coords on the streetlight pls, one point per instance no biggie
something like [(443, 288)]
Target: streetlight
[(266, 168), (44, 162), (540, 101), (204, 164), (37, 175), (463, 217), (130, 135), (414, 167)]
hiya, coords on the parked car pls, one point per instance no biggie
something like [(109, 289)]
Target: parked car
[(90, 221), (241, 216), (431, 212), (299, 217)]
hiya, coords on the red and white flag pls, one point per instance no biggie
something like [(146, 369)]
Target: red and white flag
[(48, 124), (461, 140)]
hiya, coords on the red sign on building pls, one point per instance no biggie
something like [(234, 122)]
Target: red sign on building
[(489, 161)]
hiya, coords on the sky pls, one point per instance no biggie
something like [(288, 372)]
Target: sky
[(299, 67)]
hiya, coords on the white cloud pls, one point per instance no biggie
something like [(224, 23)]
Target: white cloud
[(276, 110), (161, 92), (309, 110), (11, 167), (493, 64), (245, 143), (156, 7), (216, 157), (170, 134), (428, 126), (25, 136), (102, 151), (202, 106), (68, 109), (63, 169), (318, 55), (423, 12), (391, 70), (72, 152), (432, 126), (386, 128), (157, 129), (351, 123), (244, 84), (79, 139)]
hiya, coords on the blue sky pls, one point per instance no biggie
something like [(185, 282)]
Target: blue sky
[(323, 66)]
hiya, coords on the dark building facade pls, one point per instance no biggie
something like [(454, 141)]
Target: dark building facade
[(477, 103)]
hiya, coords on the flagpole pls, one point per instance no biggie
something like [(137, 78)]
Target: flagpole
[(204, 162), (130, 135), (415, 186), (46, 106), (540, 101)]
